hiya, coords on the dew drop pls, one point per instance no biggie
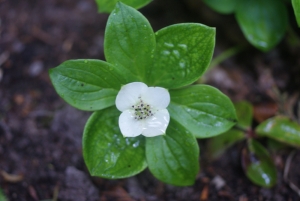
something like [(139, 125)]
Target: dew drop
[(136, 144), (183, 46), (166, 52), (182, 64), (262, 43), (176, 54), (169, 45)]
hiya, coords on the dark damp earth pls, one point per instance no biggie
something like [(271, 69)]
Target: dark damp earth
[(40, 135)]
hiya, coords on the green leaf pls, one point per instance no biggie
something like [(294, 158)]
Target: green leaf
[(275, 146), (2, 196), (87, 84), (173, 158), (106, 6), (202, 109), (183, 53), (244, 113), (222, 6), (106, 152), (296, 6), (129, 42), (263, 22), (258, 165), (218, 145), (282, 129)]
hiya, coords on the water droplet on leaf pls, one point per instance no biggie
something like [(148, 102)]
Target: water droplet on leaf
[(136, 144), (169, 45)]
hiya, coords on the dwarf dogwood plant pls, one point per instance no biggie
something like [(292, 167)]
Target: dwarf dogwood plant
[(106, 6), (257, 162), (263, 22), (146, 112), (143, 110)]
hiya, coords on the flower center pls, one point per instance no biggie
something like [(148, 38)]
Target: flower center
[(142, 110)]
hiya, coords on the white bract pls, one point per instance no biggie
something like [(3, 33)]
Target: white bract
[(143, 110)]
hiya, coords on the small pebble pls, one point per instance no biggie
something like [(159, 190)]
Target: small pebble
[(36, 68), (218, 182)]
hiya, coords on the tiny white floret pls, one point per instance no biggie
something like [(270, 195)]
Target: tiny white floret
[(143, 110)]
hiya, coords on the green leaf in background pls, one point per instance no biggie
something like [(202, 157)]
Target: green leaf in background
[(263, 22), (2, 196), (106, 6), (282, 129), (296, 6), (183, 53), (87, 84), (244, 112), (222, 6), (129, 42), (202, 109), (218, 145), (275, 146), (173, 158), (258, 165), (106, 152)]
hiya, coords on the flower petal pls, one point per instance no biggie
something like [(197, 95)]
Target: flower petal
[(157, 124), (129, 126), (129, 94), (157, 97)]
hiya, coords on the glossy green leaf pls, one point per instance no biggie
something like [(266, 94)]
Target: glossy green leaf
[(282, 129), (129, 42), (296, 6), (258, 165), (263, 22), (2, 196), (87, 84), (106, 6), (173, 158), (202, 109), (183, 53), (106, 152), (222, 6), (244, 113), (217, 145)]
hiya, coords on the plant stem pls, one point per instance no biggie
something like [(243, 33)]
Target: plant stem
[(225, 55)]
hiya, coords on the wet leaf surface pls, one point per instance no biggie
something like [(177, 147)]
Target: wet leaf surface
[(258, 165), (202, 109), (106, 152), (173, 158), (282, 129), (263, 23)]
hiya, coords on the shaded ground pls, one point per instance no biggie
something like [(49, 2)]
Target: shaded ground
[(40, 135)]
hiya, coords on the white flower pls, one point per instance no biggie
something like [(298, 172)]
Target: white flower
[(143, 110)]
